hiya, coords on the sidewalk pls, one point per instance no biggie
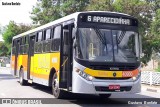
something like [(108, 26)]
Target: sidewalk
[(151, 88), (5, 70)]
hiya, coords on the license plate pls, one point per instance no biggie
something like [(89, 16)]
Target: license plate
[(114, 87)]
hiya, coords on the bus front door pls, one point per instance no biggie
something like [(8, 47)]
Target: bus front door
[(66, 60), (16, 58), (30, 57)]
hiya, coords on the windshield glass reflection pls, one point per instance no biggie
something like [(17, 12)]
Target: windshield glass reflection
[(104, 45)]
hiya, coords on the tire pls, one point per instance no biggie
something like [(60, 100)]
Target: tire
[(58, 93), (104, 96), (21, 78)]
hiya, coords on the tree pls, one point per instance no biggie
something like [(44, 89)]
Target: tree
[(100, 5), (12, 30), (156, 31), (45, 11), (156, 22), (70, 6), (0, 28), (3, 49), (0, 32)]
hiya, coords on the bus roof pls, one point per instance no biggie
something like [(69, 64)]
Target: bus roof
[(63, 19)]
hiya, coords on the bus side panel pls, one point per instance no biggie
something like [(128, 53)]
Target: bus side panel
[(24, 64), (41, 68), (32, 67), (17, 66), (12, 64), (46, 66), (43, 63), (37, 64), (55, 62), (19, 63)]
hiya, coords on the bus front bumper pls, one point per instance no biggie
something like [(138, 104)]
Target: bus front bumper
[(80, 85)]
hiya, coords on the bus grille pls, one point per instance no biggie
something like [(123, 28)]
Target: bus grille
[(107, 67), (108, 78)]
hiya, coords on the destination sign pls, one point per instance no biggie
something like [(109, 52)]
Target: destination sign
[(109, 20)]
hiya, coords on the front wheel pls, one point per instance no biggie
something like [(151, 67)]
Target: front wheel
[(21, 78), (57, 92)]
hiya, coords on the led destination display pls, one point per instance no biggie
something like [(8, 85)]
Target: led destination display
[(109, 20)]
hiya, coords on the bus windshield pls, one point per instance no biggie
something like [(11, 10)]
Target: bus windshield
[(106, 45)]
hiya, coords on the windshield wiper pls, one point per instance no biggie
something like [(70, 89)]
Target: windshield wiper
[(120, 38), (100, 36)]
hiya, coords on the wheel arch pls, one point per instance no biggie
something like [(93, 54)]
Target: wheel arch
[(52, 72)]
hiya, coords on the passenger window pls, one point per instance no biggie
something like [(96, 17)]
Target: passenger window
[(39, 37), (13, 44), (13, 47), (21, 41), (48, 34), (26, 39), (56, 39), (47, 41), (57, 32)]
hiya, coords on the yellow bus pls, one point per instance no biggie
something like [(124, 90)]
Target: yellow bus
[(94, 52)]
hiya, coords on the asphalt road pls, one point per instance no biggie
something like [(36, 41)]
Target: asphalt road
[(10, 88)]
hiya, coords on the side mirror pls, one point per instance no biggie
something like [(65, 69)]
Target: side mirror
[(75, 43)]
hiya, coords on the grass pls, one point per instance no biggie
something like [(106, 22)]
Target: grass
[(158, 69)]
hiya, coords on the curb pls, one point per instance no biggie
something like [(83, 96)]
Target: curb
[(150, 89)]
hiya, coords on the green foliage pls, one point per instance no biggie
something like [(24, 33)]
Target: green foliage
[(3, 49), (156, 5), (0, 28), (45, 12), (155, 27), (156, 22), (71, 6), (100, 5), (12, 30), (158, 69)]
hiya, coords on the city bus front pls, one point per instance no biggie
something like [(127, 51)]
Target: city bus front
[(106, 54)]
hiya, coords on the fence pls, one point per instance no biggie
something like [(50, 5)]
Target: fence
[(151, 78)]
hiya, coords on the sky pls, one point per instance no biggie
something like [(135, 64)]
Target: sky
[(18, 13)]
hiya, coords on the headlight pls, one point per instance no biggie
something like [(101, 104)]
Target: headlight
[(136, 77), (84, 75)]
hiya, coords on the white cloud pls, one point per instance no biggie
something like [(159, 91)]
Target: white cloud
[(18, 13)]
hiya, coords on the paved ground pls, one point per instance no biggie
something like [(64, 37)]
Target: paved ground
[(10, 88)]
